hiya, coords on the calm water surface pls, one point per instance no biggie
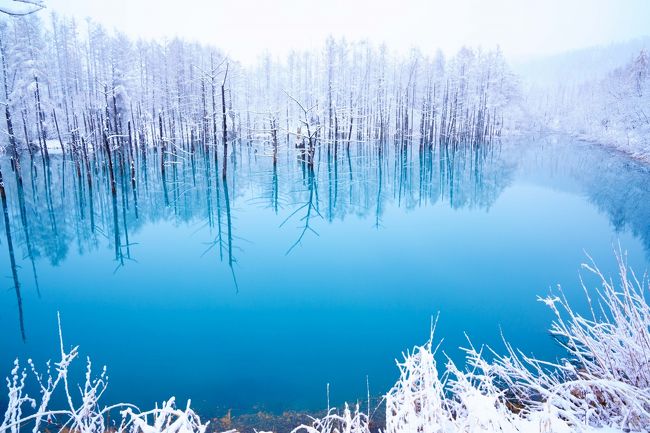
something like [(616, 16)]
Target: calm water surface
[(256, 293)]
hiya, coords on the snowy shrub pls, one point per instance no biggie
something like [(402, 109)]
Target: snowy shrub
[(417, 400), (348, 422), (602, 384), (167, 419), (458, 401), (85, 415), (604, 381), (609, 351)]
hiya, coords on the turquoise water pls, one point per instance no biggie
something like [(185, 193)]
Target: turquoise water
[(256, 293)]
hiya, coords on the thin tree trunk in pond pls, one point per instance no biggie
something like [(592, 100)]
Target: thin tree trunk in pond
[(225, 131), (10, 126), (107, 147), (58, 133), (162, 146)]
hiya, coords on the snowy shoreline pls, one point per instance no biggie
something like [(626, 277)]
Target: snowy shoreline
[(642, 157)]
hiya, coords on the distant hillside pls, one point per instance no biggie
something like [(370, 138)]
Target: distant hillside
[(578, 66), (596, 94)]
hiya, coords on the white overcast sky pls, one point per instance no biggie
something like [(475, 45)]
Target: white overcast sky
[(244, 28)]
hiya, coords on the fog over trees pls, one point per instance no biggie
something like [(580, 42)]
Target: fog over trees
[(611, 108)]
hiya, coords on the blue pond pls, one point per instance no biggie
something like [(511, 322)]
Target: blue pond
[(256, 292)]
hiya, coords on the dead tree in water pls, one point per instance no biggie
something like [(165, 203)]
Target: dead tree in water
[(107, 148), (274, 138), (224, 126), (40, 118), (15, 163), (162, 146), (214, 108), (312, 131), (58, 132), (210, 75)]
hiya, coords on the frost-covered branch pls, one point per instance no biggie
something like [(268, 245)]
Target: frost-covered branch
[(19, 8)]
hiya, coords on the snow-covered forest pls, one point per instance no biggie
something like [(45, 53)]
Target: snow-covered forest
[(67, 82), (601, 103), (70, 88)]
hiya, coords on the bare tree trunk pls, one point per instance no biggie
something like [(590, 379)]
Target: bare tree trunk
[(58, 133), (224, 126), (15, 163)]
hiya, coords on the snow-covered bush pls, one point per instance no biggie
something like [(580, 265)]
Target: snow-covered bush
[(167, 419), (348, 422), (608, 370), (417, 401), (602, 384), (459, 401), (83, 413)]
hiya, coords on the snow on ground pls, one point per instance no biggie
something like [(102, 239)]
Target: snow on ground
[(53, 146)]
